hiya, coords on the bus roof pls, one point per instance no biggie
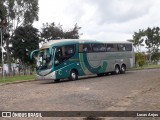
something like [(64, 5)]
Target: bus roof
[(61, 42)]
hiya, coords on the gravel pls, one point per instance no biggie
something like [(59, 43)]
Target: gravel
[(134, 91)]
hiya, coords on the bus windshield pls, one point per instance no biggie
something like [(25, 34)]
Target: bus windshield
[(44, 59)]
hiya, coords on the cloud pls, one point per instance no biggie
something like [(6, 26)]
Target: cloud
[(102, 19), (123, 18), (117, 11)]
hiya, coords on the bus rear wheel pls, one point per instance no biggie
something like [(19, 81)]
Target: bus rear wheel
[(116, 69), (73, 75), (123, 69)]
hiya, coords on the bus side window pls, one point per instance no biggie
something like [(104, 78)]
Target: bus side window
[(98, 47), (121, 47), (95, 47), (112, 48), (102, 48), (85, 48), (109, 47), (69, 50), (115, 48), (128, 47)]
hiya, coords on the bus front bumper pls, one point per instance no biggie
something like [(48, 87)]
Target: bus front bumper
[(49, 76)]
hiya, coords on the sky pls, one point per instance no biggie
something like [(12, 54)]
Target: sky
[(106, 20)]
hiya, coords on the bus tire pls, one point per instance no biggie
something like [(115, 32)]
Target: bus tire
[(73, 75), (123, 69), (117, 69), (57, 80)]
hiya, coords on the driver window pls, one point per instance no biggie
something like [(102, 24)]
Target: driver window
[(58, 56), (63, 53)]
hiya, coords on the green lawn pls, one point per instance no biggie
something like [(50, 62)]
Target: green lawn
[(16, 78), (151, 66)]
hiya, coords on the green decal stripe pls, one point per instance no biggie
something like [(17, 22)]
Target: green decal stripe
[(91, 69), (82, 62), (103, 67), (88, 68)]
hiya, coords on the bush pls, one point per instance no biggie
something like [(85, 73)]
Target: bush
[(141, 63), (140, 59)]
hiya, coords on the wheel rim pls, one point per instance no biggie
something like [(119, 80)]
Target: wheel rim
[(73, 75), (117, 70), (123, 69)]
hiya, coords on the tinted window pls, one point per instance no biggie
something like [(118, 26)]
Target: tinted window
[(85, 48), (98, 47), (128, 47), (121, 47), (112, 48), (63, 53), (69, 50)]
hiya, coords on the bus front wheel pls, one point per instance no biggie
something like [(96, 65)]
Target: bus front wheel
[(73, 75)]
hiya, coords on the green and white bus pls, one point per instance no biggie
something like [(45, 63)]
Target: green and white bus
[(70, 58)]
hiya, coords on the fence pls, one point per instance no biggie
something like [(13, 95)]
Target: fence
[(15, 72)]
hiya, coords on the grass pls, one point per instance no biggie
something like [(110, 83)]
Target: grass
[(16, 78), (147, 66)]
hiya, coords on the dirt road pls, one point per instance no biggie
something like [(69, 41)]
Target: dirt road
[(133, 91)]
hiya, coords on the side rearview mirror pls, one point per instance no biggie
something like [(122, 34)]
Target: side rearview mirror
[(34, 54)]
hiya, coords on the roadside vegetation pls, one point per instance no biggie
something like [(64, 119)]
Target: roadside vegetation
[(150, 39), (17, 78), (147, 66)]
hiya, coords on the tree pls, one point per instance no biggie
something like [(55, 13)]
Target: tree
[(21, 12), (151, 36), (155, 57), (73, 33), (18, 13), (25, 40), (2, 10), (52, 32), (2, 24), (152, 40), (138, 40)]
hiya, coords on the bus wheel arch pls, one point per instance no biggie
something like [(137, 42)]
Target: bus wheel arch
[(73, 75), (123, 68)]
